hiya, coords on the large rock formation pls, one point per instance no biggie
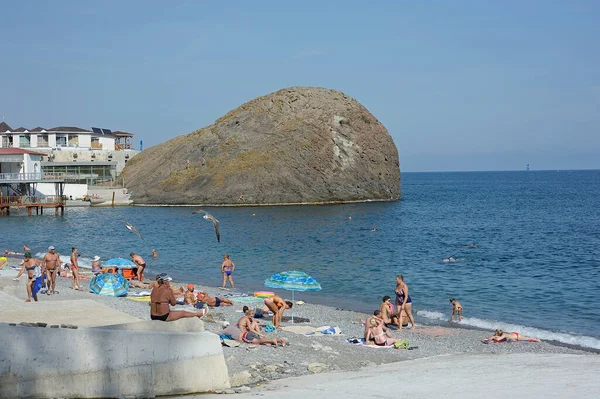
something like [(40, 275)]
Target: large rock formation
[(297, 145)]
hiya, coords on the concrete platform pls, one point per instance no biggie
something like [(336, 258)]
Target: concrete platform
[(82, 312), (98, 362), (489, 376)]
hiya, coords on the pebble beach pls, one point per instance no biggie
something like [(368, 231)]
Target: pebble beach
[(251, 365)]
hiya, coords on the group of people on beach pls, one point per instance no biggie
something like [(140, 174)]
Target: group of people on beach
[(47, 269)]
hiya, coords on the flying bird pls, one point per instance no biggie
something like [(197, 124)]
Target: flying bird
[(212, 219), (131, 227)]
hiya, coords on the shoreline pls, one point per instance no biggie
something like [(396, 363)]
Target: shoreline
[(341, 307), (254, 205), (251, 365)]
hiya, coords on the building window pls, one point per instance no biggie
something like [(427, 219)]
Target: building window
[(42, 140), (24, 141), (73, 141), (61, 140), (96, 143)]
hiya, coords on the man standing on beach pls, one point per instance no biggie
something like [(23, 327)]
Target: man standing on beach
[(50, 264), (227, 268), (141, 265)]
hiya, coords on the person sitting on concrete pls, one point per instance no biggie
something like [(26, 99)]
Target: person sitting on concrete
[(162, 298)]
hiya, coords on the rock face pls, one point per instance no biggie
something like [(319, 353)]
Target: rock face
[(297, 145)]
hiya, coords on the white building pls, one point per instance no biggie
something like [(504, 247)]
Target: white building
[(83, 157)]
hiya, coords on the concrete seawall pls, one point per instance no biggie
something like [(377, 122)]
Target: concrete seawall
[(109, 362)]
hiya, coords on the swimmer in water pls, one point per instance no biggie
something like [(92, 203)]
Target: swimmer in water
[(373, 229), (154, 254), (450, 259)]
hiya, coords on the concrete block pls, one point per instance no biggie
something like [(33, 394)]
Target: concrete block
[(108, 362)]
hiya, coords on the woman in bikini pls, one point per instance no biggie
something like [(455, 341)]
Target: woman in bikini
[(403, 300), (381, 338), (277, 306), (501, 336), (162, 296), (29, 265)]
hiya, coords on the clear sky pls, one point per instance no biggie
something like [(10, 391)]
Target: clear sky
[(460, 85)]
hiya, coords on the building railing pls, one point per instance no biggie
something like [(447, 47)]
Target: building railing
[(27, 200), (31, 176)]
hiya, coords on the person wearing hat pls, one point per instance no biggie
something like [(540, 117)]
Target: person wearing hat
[(29, 265), (50, 264), (161, 300)]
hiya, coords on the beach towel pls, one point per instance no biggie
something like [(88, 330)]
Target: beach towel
[(312, 331), (361, 342), (37, 285), (139, 298), (141, 293), (245, 299)]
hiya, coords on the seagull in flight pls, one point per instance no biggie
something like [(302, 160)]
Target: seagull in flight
[(131, 227), (212, 219)]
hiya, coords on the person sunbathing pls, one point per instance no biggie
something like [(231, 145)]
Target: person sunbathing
[(250, 331), (387, 313), (212, 302), (378, 319), (376, 332), (501, 336)]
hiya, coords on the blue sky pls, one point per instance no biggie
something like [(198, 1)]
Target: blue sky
[(471, 85)]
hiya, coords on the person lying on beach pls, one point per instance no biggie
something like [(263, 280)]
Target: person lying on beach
[(162, 296), (213, 302), (250, 331), (29, 265), (376, 332), (456, 309), (7, 252), (277, 306), (501, 336)]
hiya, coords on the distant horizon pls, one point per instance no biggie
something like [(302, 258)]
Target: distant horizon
[(500, 171)]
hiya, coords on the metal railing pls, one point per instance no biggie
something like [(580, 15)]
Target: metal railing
[(30, 200), (33, 176)]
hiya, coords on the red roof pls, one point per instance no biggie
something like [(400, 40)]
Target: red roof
[(18, 151)]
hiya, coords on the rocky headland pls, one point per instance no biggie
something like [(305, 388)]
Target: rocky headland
[(297, 145)]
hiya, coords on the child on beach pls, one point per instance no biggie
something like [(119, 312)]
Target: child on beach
[(456, 309)]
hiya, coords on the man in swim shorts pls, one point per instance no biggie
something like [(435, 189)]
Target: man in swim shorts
[(227, 268), (213, 302), (141, 265), (50, 264)]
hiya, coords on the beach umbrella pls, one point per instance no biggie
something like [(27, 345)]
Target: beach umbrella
[(109, 284), (293, 281), (120, 263)]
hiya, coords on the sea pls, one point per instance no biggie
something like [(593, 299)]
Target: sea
[(535, 267)]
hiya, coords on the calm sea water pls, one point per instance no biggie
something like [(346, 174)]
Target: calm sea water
[(536, 267)]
